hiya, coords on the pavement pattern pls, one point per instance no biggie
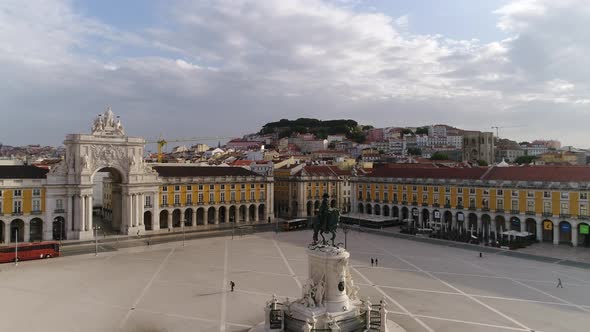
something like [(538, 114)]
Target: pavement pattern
[(170, 287)]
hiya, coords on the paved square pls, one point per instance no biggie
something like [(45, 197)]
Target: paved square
[(169, 287)]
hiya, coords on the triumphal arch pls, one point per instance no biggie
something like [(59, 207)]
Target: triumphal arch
[(106, 149)]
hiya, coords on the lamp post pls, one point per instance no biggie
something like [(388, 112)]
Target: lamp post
[(185, 221), (16, 248), (96, 228), (345, 229)]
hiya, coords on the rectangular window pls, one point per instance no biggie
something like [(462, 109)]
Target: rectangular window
[(200, 187), (0, 193), (405, 197), (414, 188), (472, 191), (164, 199), (424, 198), (211, 197), (530, 194), (37, 192), (485, 203), (515, 205), (386, 196), (435, 199), (565, 195), (223, 187), (18, 193), (486, 192), (176, 188), (582, 196), (189, 188), (459, 190), (424, 188), (165, 188), (232, 196), (436, 189), (546, 194), (243, 186), (211, 187), (200, 197), (584, 209), (565, 208), (189, 199), (233, 186), (222, 197), (459, 200), (447, 190), (377, 195), (262, 186), (17, 207), (547, 207), (499, 192), (252, 186), (530, 206), (59, 204), (36, 205), (471, 202), (176, 199), (148, 201), (500, 204), (252, 195), (514, 193), (262, 196)]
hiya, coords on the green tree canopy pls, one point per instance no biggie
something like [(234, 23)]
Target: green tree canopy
[(439, 156), (524, 160)]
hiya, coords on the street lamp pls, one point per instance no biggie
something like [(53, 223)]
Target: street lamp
[(16, 248), (185, 221), (96, 228), (345, 229)]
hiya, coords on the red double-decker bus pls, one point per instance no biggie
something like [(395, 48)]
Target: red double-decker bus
[(27, 251)]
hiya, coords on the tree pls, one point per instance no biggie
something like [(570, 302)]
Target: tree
[(524, 160), (524, 143), (406, 131), (422, 130), (415, 151), (439, 156), (482, 163)]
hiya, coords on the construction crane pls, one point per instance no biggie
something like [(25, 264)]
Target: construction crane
[(161, 142), (499, 127)]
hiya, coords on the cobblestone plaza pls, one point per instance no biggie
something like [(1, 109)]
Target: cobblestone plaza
[(169, 287)]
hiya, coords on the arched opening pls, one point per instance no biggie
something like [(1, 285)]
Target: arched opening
[(415, 215), (242, 212), (369, 208), (405, 214), (395, 212), (147, 220), (448, 219), (425, 218), (584, 234), (547, 231), (472, 225), (309, 209), (565, 232), (377, 210), (211, 215), (333, 203), (252, 212), (176, 217), (515, 224), (201, 216), (261, 212), (164, 219), (500, 225), (59, 228), (36, 230), (316, 208), (108, 200), (232, 214), (295, 209), (386, 210), (188, 217), (531, 226), (361, 208), (2, 231), (17, 226), (222, 214)]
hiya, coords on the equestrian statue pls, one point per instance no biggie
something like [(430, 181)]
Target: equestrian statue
[(326, 222)]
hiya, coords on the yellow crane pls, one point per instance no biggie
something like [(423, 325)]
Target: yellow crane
[(161, 142)]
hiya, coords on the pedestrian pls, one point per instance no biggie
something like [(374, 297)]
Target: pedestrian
[(372, 261), (138, 232), (232, 285), (169, 229), (480, 255), (376, 262), (559, 285)]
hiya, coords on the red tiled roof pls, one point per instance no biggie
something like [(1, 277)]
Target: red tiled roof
[(324, 170), (242, 163), (195, 171), (430, 173), (541, 173)]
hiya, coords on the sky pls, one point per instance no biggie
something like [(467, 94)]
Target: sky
[(206, 68)]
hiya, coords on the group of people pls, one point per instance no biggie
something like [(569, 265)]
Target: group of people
[(374, 261)]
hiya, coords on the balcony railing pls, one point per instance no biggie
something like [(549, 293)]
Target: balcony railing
[(59, 211), (448, 205), (404, 203), (423, 204), (177, 204), (547, 214), (583, 216), (189, 203), (436, 205), (233, 201), (530, 213), (459, 207), (472, 208), (17, 213), (515, 211), (565, 215), (36, 212), (163, 205), (200, 203), (499, 210), (485, 209), (395, 201)]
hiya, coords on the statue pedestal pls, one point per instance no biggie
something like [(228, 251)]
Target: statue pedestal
[(329, 265)]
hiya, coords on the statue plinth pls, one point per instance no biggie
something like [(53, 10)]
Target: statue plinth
[(330, 266)]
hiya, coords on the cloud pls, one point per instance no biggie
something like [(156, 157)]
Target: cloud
[(233, 65)]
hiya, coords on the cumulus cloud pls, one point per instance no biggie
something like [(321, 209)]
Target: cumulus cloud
[(256, 61)]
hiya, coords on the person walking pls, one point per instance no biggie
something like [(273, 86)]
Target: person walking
[(376, 262), (372, 261), (559, 285), (480, 255), (232, 285)]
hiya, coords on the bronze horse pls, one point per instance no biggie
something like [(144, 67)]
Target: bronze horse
[(326, 222)]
